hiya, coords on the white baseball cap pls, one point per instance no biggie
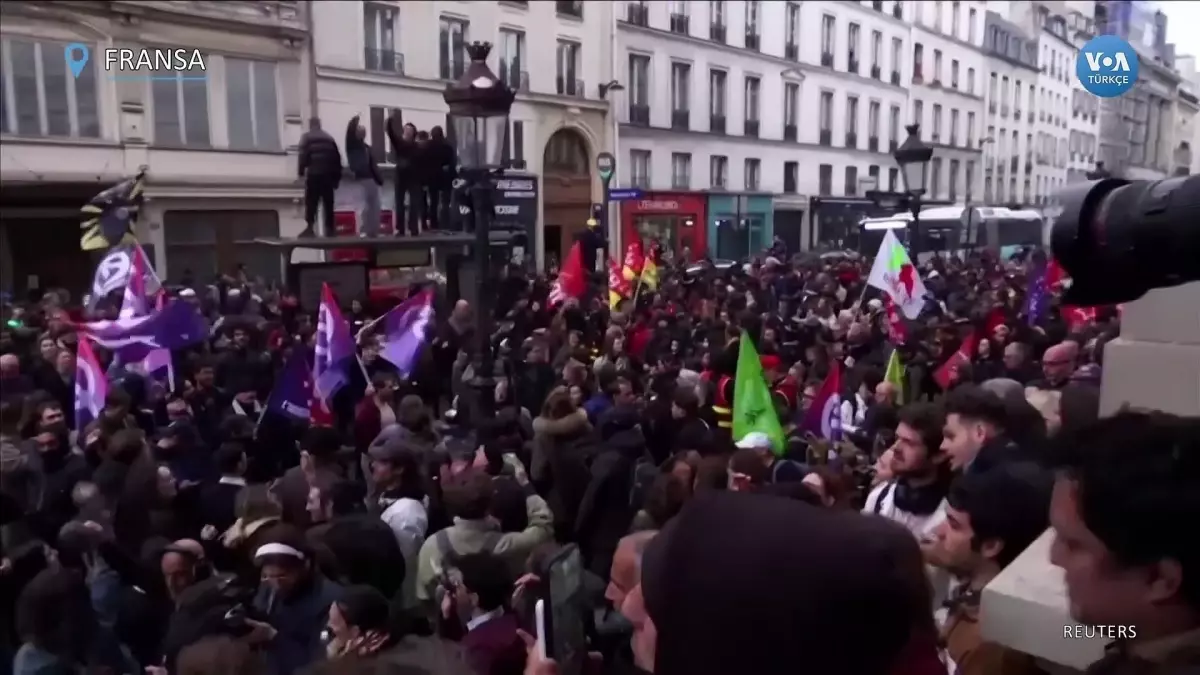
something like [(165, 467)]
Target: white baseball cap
[(755, 440)]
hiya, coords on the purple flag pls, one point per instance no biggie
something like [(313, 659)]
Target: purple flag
[(176, 326), (134, 303), (1035, 300), (404, 329), (335, 347), (91, 385), (293, 386)]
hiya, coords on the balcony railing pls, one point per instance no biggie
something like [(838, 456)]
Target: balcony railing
[(570, 8), (716, 32), (789, 132), (680, 119), (873, 143), (513, 77), (752, 40), (827, 59), (638, 15), (681, 181), (992, 108), (570, 87), (851, 140), (897, 11), (1014, 163), (825, 137), (716, 124), (936, 83), (680, 23), (917, 79), (953, 141), (852, 65), (640, 180), (1017, 114), (384, 61), (892, 145), (453, 69), (639, 114), (750, 128), (791, 50), (896, 77), (877, 5), (1004, 110), (875, 72), (954, 82)]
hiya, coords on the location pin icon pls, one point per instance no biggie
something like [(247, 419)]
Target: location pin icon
[(77, 57)]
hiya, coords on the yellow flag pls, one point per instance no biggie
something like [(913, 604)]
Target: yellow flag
[(895, 375), (650, 275)]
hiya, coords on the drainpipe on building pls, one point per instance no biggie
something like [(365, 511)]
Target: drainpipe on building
[(615, 227)]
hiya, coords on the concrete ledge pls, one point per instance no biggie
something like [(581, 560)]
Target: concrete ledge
[(1153, 375), (1026, 608)]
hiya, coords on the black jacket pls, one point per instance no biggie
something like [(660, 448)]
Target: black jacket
[(359, 159), (320, 159)]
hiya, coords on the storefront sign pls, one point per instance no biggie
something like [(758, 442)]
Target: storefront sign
[(515, 200), (658, 205)]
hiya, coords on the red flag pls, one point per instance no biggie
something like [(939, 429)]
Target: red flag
[(635, 259), (1078, 317), (897, 333), (947, 373), (571, 281), (1055, 274), (319, 414), (994, 318)]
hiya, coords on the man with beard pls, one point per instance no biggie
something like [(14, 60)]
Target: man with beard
[(990, 518), (915, 496)]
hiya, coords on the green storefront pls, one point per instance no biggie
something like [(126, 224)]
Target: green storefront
[(740, 225)]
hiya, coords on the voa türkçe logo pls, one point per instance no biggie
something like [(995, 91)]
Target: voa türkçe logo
[(1107, 66)]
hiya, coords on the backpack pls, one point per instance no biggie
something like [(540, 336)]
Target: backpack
[(642, 476)]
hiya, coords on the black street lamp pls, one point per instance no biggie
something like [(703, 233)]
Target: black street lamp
[(479, 104), (913, 156)]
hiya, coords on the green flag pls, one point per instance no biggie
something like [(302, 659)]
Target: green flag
[(753, 406), (895, 375)]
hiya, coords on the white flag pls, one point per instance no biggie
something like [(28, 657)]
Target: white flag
[(894, 273)]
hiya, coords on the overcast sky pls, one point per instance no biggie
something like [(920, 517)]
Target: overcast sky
[(1183, 25)]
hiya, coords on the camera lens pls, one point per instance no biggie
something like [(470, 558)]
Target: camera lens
[(1118, 239)]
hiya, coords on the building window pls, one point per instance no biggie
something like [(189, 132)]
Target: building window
[(937, 66), (753, 11), (954, 73), (918, 112), (970, 178), (180, 110), (791, 104), (938, 16), (753, 168), (639, 80), (828, 25), (935, 177), (918, 60), (852, 35), (716, 92), (512, 58), (851, 181), (970, 130), (876, 53), (752, 89), (718, 171), (971, 13), (825, 180), (567, 78), (873, 119), (640, 161), (452, 38), (681, 77), (793, 31), (681, 171), (825, 115), (954, 180), (970, 80), (200, 241), (379, 37), (894, 125), (852, 121), (39, 96), (253, 108), (955, 18), (791, 177), (893, 179)]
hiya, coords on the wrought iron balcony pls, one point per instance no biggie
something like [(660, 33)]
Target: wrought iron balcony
[(791, 50), (752, 40), (750, 128), (570, 87), (638, 15), (827, 59), (572, 8), (875, 72), (851, 140), (825, 137), (680, 23), (513, 77), (639, 114), (716, 124), (681, 119), (716, 32), (873, 143), (789, 132)]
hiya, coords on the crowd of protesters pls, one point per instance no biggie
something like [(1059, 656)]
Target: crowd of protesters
[(185, 531)]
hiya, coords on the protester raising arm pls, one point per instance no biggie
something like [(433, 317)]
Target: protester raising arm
[(540, 528)]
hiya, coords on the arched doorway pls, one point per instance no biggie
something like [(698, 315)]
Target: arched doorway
[(567, 192)]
